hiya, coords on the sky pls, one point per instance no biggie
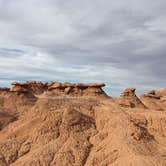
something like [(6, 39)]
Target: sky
[(119, 42)]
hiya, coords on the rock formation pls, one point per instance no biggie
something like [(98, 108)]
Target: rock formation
[(129, 99), (74, 124), (59, 89), (30, 86), (155, 99), (77, 89)]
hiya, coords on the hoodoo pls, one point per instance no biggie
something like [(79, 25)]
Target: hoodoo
[(128, 98)]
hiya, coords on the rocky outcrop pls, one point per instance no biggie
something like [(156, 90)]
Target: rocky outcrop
[(129, 99), (32, 86), (58, 88), (22, 96), (18, 98), (77, 89), (155, 99)]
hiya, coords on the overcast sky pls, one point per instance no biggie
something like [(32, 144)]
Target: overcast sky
[(119, 42)]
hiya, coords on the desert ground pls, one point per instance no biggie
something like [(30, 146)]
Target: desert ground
[(65, 124)]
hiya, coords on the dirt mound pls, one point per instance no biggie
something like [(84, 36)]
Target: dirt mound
[(80, 127)]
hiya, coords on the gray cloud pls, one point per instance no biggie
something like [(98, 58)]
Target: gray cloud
[(118, 42)]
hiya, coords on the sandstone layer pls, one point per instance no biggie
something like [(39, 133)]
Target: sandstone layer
[(65, 124), (59, 89)]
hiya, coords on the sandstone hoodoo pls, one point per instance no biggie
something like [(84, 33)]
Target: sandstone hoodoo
[(129, 99)]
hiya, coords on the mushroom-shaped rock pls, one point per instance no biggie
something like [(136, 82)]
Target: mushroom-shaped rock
[(128, 92), (129, 99)]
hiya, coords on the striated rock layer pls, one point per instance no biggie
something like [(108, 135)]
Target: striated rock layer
[(64, 124)]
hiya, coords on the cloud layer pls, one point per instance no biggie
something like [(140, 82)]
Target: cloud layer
[(122, 43)]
